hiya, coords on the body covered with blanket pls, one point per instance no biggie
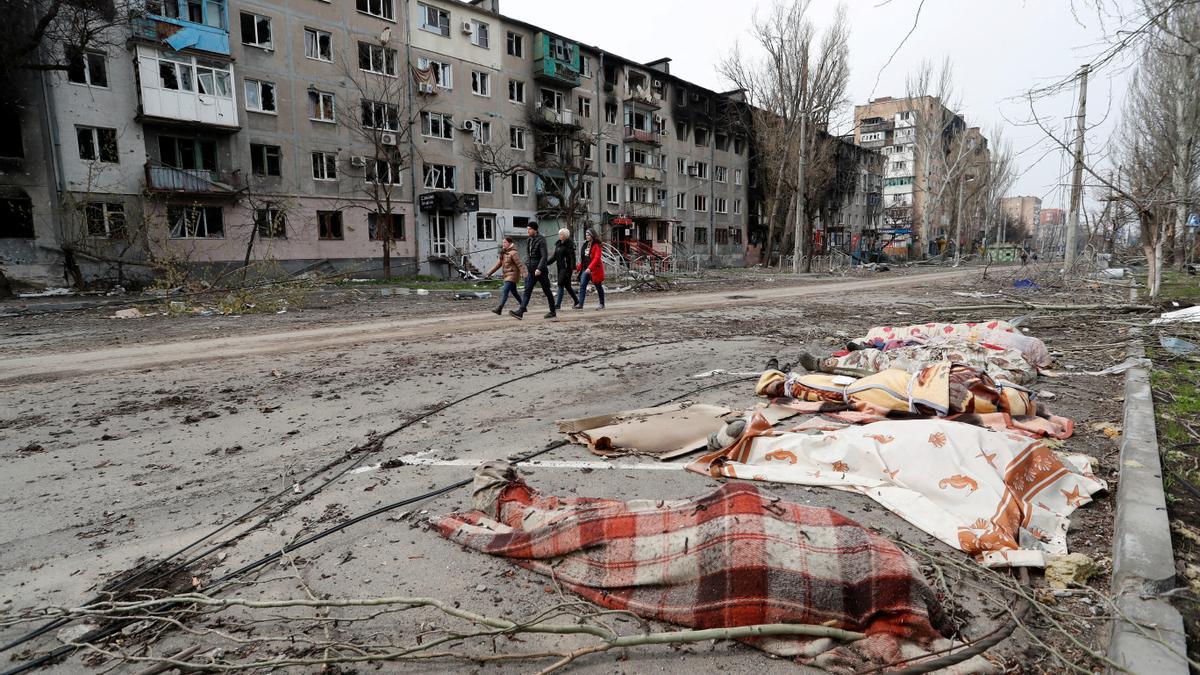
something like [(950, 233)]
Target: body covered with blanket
[(738, 556)]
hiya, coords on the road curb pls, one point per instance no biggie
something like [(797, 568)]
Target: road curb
[(1143, 558)]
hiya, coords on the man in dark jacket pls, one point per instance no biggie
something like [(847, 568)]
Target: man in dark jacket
[(536, 261), (564, 260)]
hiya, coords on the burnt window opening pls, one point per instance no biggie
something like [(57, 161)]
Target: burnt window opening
[(329, 226), (11, 143), (16, 218), (271, 222)]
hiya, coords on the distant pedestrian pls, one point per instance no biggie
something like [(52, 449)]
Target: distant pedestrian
[(510, 260), (591, 268), (536, 273), (564, 265), (1024, 257)]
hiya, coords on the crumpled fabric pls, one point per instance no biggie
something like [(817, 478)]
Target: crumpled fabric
[(1000, 496), (737, 556)]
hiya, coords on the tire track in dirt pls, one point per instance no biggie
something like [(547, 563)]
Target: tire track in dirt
[(56, 366)]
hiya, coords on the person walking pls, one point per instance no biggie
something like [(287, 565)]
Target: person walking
[(564, 265), (510, 260), (536, 273), (591, 268)]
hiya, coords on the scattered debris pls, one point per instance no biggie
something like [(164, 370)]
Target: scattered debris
[(74, 633), (48, 293), (1177, 346), (31, 448), (131, 313), (475, 295), (1185, 315), (1066, 571)]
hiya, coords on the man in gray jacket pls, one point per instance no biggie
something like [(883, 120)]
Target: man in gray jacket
[(535, 264)]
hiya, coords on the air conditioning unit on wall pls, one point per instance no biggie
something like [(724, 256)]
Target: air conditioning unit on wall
[(358, 161), (469, 125), (426, 88), (468, 28), (387, 139)]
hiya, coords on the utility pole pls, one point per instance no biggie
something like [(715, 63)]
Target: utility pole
[(798, 246), (1077, 174)]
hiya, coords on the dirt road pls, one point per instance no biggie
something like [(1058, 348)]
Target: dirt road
[(123, 453), (160, 354)]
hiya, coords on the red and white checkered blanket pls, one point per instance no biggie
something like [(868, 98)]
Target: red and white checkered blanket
[(738, 556)]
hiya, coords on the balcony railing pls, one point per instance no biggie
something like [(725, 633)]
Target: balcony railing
[(161, 178), (551, 116), (644, 97), (555, 72), (643, 210), (643, 172), (635, 135)]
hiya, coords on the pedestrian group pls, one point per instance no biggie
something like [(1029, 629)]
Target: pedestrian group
[(588, 266)]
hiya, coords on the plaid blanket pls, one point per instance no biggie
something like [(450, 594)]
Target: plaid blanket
[(738, 556)]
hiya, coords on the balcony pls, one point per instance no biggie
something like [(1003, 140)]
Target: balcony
[(642, 172), (161, 178), (563, 118), (644, 97), (180, 34), (642, 210), (635, 135), (555, 61)]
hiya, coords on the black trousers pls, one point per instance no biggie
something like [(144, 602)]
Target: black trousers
[(542, 281), (564, 284)]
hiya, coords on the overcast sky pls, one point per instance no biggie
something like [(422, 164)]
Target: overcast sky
[(999, 48)]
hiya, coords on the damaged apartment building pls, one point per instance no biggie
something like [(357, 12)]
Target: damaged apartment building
[(336, 135)]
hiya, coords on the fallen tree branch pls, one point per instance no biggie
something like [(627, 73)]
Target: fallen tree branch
[(1054, 308)]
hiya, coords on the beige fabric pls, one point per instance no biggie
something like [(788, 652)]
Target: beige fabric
[(1000, 496), (665, 432)]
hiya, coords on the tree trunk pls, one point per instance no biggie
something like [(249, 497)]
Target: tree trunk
[(387, 252)]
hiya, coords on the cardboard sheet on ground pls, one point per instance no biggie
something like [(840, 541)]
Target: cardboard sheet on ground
[(665, 432), (1001, 496)]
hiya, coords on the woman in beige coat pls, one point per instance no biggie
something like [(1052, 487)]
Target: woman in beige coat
[(514, 271)]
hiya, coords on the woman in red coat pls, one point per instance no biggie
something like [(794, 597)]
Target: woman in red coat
[(590, 267)]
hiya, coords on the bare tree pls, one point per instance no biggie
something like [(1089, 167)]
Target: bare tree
[(940, 154), (55, 35), (380, 116), (996, 180), (793, 90), (562, 163)]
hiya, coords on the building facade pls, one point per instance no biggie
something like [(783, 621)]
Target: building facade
[(334, 134), (920, 140), (1025, 213)]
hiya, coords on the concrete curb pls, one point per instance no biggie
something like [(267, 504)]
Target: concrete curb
[(1143, 558)]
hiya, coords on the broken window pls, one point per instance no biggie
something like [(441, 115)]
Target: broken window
[(610, 113), (481, 83), (721, 236), (443, 73), (265, 160), (700, 236), (105, 220), (700, 203), (376, 59), (16, 218), (439, 176), (516, 45), (483, 181), (213, 79), (324, 166), (660, 232), (516, 138), (437, 125), (196, 222), (485, 227), (256, 30), (378, 226), (11, 143), (384, 9), (97, 144), (433, 19), (385, 172), (480, 34), (520, 185), (318, 45), (329, 226), (87, 68), (187, 153), (516, 91), (701, 138), (320, 106), (260, 96), (585, 106), (379, 115), (270, 222)]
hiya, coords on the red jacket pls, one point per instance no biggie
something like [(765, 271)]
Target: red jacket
[(595, 264)]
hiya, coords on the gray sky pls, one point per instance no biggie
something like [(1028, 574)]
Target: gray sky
[(999, 49)]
